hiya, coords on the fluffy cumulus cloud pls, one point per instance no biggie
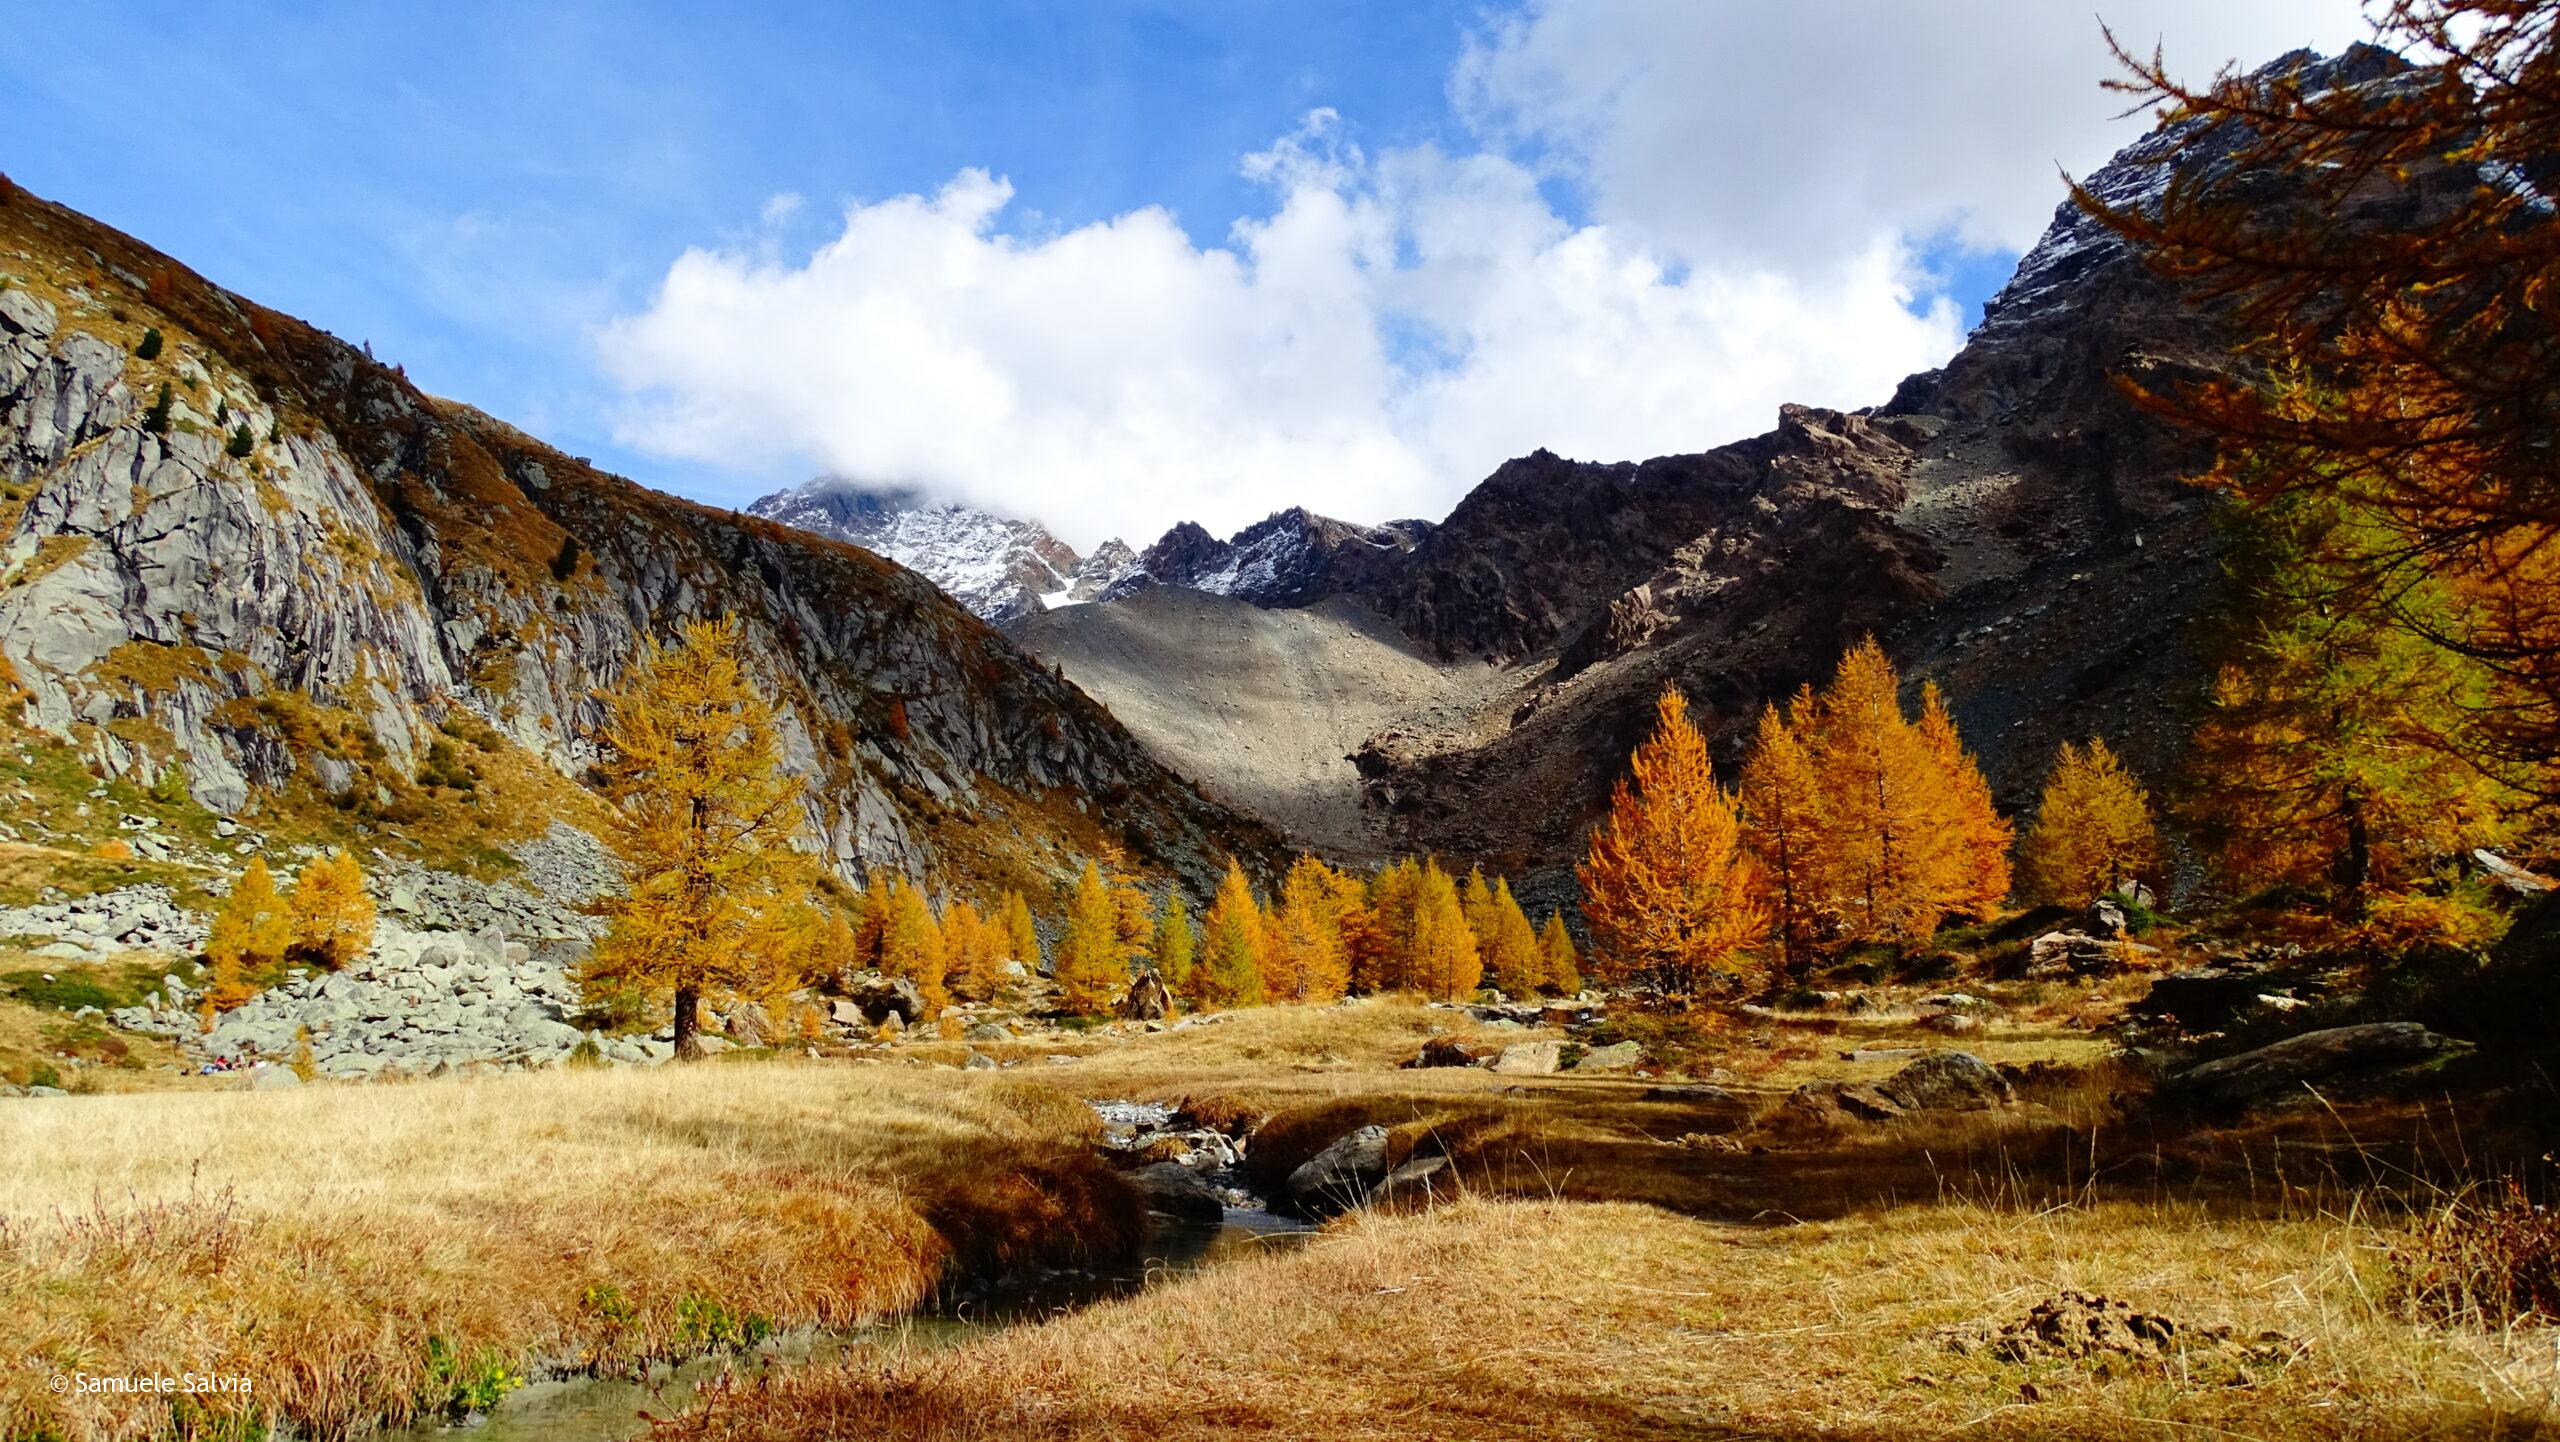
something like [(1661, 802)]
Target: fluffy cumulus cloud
[(1788, 136), (1753, 184)]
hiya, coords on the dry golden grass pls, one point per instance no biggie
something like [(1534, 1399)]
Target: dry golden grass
[(317, 1240), (1548, 1320)]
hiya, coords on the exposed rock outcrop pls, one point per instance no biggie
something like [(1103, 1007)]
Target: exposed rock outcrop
[(301, 567)]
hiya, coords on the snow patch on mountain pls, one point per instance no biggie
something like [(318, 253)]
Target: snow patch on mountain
[(997, 567)]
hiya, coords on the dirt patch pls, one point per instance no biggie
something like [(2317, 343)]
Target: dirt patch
[(2089, 1328)]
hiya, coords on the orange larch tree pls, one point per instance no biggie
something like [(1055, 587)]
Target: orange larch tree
[(1672, 898)]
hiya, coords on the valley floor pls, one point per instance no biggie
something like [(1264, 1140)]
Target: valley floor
[(1619, 1257)]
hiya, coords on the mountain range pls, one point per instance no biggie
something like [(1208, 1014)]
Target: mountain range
[(259, 556)]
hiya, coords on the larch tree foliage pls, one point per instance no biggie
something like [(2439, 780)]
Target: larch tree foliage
[(1309, 957), (1382, 951), (974, 951), (1173, 946), (1980, 837), (2337, 752), (912, 944), (251, 933), (1563, 963), (1093, 966), (2391, 253), (1672, 898), (2092, 831), (1782, 817), (1895, 862), (1443, 963), (1022, 938), (333, 916), (1233, 942), (703, 823), (1509, 946)]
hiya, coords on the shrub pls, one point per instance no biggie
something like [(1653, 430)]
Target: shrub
[(156, 419), (2481, 1262), (43, 1074), (149, 349), (458, 1385), (241, 443), (169, 788), (565, 564)]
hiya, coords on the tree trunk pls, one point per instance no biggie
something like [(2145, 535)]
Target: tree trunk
[(2354, 863), (688, 1026)]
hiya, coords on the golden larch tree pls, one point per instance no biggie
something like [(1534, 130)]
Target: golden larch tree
[(1509, 945), (1172, 947), (1445, 963), (250, 933), (333, 915), (1783, 822), (1234, 940), (2092, 830), (1563, 963), (704, 817), (1382, 950), (912, 945), (1308, 958), (1093, 966), (1977, 833), (1021, 935), (974, 951), (1672, 898)]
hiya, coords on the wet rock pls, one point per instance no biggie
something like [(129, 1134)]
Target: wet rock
[(1177, 1191), (1339, 1176)]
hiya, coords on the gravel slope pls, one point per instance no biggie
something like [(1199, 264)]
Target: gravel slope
[(1262, 708)]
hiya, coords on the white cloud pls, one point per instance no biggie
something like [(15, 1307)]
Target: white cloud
[(1734, 132), (1392, 327)]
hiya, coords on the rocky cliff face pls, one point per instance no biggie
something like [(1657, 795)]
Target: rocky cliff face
[(999, 569), (289, 575)]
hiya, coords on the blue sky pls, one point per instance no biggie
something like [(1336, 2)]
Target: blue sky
[(484, 192)]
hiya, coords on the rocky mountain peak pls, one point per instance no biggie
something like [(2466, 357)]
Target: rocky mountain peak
[(1288, 558), (999, 568)]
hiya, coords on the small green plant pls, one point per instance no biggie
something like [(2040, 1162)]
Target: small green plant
[(586, 1055), (565, 564), (241, 443), (222, 412), (703, 1324), (459, 1385), (169, 788), (43, 1074), (275, 433), (149, 349), (604, 1302), (156, 419)]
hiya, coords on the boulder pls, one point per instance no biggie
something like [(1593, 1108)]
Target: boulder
[(1619, 1056), (1442, 1051), (2204, 998), (1148, 999), (1340, 1175), (1177, 1191), (1831, 1106), (988, 1031), (2340, 1054), (1530, 1058), (2077, 953), (1419, 1180), (1951, 1023), (891, 996), (273, 1079), (979, 1061), (1947, 1081), (843, 1012), (2107, 920)]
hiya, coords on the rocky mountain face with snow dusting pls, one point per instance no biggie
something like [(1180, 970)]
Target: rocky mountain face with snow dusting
[(241, 553), (1000, 569), (2010, 525)]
